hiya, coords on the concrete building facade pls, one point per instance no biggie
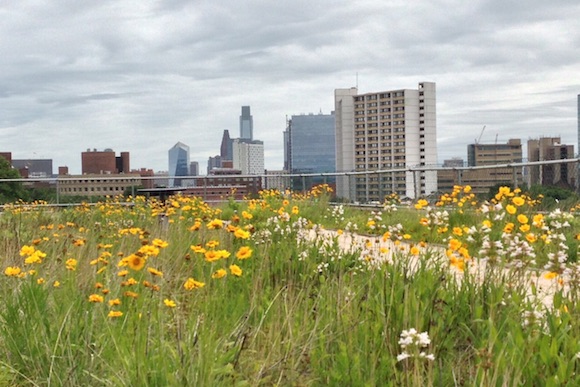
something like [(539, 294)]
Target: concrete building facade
[(388, 130), (551, 148), (98, 184), (482, 180), (248, 156)]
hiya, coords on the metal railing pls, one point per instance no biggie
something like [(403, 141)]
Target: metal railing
[(352, 186)]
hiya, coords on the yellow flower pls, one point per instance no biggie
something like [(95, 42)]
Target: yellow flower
[(508, 228), (295, 210), (510, 209), (12, 271), (27, 250), (115, 313), (123, 273), (169, 303), (212, 255), (197, 249), (131, 294), (242, 234), (35, 257), (97, 298), (247, 215), (56, 284), (40, 281), (236, 270), (518, 201), (223, 254), (212, 244), (525, 228), (550, 275), (487, 223), (522, 219), (531, 237), (220, 273), (454, 244), (71, 264), (191, 284), (196, 226), (159, 243), (414, 250), (457, 231), (244, 252), (215, 224), (538, 220), (114, 302), (459, 264), (155, 272), (467, 189), (135, 262)]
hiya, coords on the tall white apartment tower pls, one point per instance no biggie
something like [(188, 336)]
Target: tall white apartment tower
[(392, 131), (248, 156)]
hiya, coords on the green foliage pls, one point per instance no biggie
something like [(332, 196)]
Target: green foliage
[(305, 311), (10, 191)]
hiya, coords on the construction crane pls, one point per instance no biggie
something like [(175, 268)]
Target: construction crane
[(480, 134)]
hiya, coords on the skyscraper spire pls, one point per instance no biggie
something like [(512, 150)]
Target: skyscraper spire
[(246, 124)]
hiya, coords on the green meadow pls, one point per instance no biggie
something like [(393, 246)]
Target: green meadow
[(267, 292)]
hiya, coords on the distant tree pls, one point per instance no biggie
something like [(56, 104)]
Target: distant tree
[(10, 191)]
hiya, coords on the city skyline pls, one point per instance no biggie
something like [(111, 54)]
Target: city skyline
[(141, 76)]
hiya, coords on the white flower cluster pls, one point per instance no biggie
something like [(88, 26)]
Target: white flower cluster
[(414, 344), (336, 213)]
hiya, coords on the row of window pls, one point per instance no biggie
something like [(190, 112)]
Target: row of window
[(97, 181), (92, 189)]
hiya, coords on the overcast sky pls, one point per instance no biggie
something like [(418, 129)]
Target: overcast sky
[(141, 75)]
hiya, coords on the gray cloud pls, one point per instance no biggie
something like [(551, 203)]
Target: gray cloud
[(142, 75)]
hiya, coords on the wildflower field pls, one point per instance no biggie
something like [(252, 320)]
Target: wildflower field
[(289, 289)]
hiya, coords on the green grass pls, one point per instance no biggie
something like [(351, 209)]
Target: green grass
[(303, 312)]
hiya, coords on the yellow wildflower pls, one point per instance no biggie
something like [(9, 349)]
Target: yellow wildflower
[(115, 313), (236, 270), (220, 273), (244, 252), (12, 271), (96, 298), (155, 272), (169, 303), (191, 284), (510, 209)]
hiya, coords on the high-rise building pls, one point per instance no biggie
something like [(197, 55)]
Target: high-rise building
[(389, 130), (551, 148), (226, 146), (310, 148), (482, 180), (194, 168), (248, 156), (178, 163), (246, 124), (104, 162), (213, 162)]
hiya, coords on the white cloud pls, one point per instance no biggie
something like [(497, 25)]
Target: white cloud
[(139, 76)]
